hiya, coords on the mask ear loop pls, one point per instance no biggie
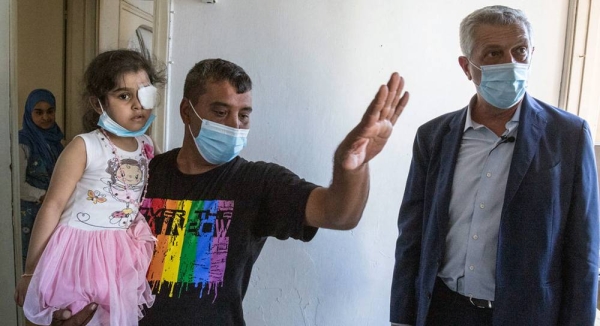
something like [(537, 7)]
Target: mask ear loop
[(202, 120), (471, 62), (478, 68), (94, 107), (194, 109), (101, 107)]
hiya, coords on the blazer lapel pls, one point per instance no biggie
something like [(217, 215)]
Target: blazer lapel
[(531, 126), (448, 157)]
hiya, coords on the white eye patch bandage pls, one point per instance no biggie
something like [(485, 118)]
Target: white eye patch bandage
[(148, 96)]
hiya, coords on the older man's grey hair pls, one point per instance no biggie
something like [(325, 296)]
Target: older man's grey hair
[(492, 15)]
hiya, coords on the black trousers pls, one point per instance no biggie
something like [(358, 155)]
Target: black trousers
[(449, 308)]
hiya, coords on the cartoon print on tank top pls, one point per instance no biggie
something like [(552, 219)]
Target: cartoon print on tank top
[(126, 184), (126, 178)]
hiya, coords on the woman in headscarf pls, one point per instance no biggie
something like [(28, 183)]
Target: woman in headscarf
[(40, 146)]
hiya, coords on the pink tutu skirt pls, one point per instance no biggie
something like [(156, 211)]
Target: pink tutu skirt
[(107, 267)]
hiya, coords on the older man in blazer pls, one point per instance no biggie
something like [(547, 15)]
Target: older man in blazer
[(499, 224)]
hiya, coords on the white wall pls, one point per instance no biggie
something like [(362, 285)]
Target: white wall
[(315, 67)]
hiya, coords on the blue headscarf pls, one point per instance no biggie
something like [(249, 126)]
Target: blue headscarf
[(44, 143)]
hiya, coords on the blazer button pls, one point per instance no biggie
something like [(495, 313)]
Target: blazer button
[(429, 295)]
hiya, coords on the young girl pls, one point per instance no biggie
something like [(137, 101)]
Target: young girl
[(89, 243)]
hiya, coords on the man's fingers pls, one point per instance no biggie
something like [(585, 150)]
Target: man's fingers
[(59, 316), (400, 107), (397, 97), (89, 310), (64, 317), (388, 102), (374, 110), (392, 86)]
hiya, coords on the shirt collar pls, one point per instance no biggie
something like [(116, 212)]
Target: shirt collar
[(469, 123)]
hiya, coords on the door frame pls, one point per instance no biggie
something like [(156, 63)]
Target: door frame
[(9, 196)]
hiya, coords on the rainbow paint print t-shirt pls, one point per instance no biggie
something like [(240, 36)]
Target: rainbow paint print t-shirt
[(210, 229)]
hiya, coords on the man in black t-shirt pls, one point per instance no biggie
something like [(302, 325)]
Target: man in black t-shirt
[(211, 210)]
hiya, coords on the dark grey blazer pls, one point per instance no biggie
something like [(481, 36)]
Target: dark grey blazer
[(548, 242)]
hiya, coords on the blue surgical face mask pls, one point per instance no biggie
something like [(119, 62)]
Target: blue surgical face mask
[(503, 85), (218, 143), (107, 123)]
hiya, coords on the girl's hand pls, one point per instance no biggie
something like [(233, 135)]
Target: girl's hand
[(21, 290)]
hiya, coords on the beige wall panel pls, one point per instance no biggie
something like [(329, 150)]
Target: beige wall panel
[(40, 48), (80, 50)]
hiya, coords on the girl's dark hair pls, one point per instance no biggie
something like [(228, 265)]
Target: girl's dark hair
[(103, 73)]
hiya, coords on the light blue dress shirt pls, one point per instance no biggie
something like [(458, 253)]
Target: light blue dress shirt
[(478, 188)]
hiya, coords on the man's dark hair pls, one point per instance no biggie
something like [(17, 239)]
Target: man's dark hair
[(215, 70)]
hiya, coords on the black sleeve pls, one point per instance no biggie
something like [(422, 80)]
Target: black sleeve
[(283, 205)]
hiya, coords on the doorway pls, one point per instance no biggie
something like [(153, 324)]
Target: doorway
[(51, 44), (56, 39)]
